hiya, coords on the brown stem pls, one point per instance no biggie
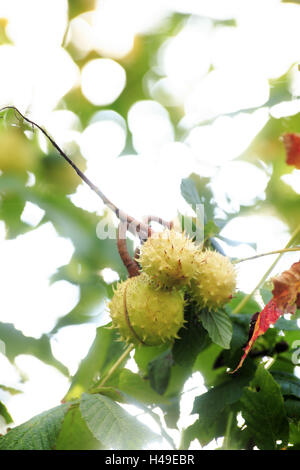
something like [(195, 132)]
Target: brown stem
[(138, 251), (133, 225), (130, 264)]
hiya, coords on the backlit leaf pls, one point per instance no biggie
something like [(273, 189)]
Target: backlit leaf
[(286, 295), (264, 412), (39, 433), (219, 327), (292, 147), (112, 425)]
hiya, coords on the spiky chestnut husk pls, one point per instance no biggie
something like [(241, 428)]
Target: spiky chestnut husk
[(215, 281), (144, 315), (168, 257)]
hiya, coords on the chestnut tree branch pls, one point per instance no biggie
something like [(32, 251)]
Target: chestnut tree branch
[(130, 264), (137, 228)]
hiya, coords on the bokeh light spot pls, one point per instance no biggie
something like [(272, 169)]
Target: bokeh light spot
[(150, 126), (103, 138), (238, 183), (102, 81)]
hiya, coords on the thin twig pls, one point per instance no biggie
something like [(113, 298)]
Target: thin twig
[(265, 276), (116, 365), (285, 250)]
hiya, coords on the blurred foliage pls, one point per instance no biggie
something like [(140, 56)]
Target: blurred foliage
[(76, 7), (210, 343)]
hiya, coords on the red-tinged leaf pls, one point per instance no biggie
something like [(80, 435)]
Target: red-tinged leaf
[(287, 288), (291, 142), (286, 298), (267, 317)]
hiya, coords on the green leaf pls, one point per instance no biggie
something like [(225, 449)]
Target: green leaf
[(242, 319), (189, 192), (210, 229), (70, 222), (250, 307), (105, 350), (92, 295), (204, 430), (264, 412), (112, 425), (159, 371), (78, 7), (219, 327), (210, 404), (110, 392), (179, 374), (75, 434), (201, 430), (292, 408), (289, 384), (294, 437), (266, 295), (5, 414), (280, 89), (282, 362), (144, 354), (136, 391), (286, 325), (172, 413), (205, 363), (11, 208), (11, 390), (205, 194), (239, 336), (139, 388), (193, 340), (39, 433), (16, 343)]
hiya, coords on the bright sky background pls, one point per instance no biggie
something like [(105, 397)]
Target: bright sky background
[(35, 75)]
